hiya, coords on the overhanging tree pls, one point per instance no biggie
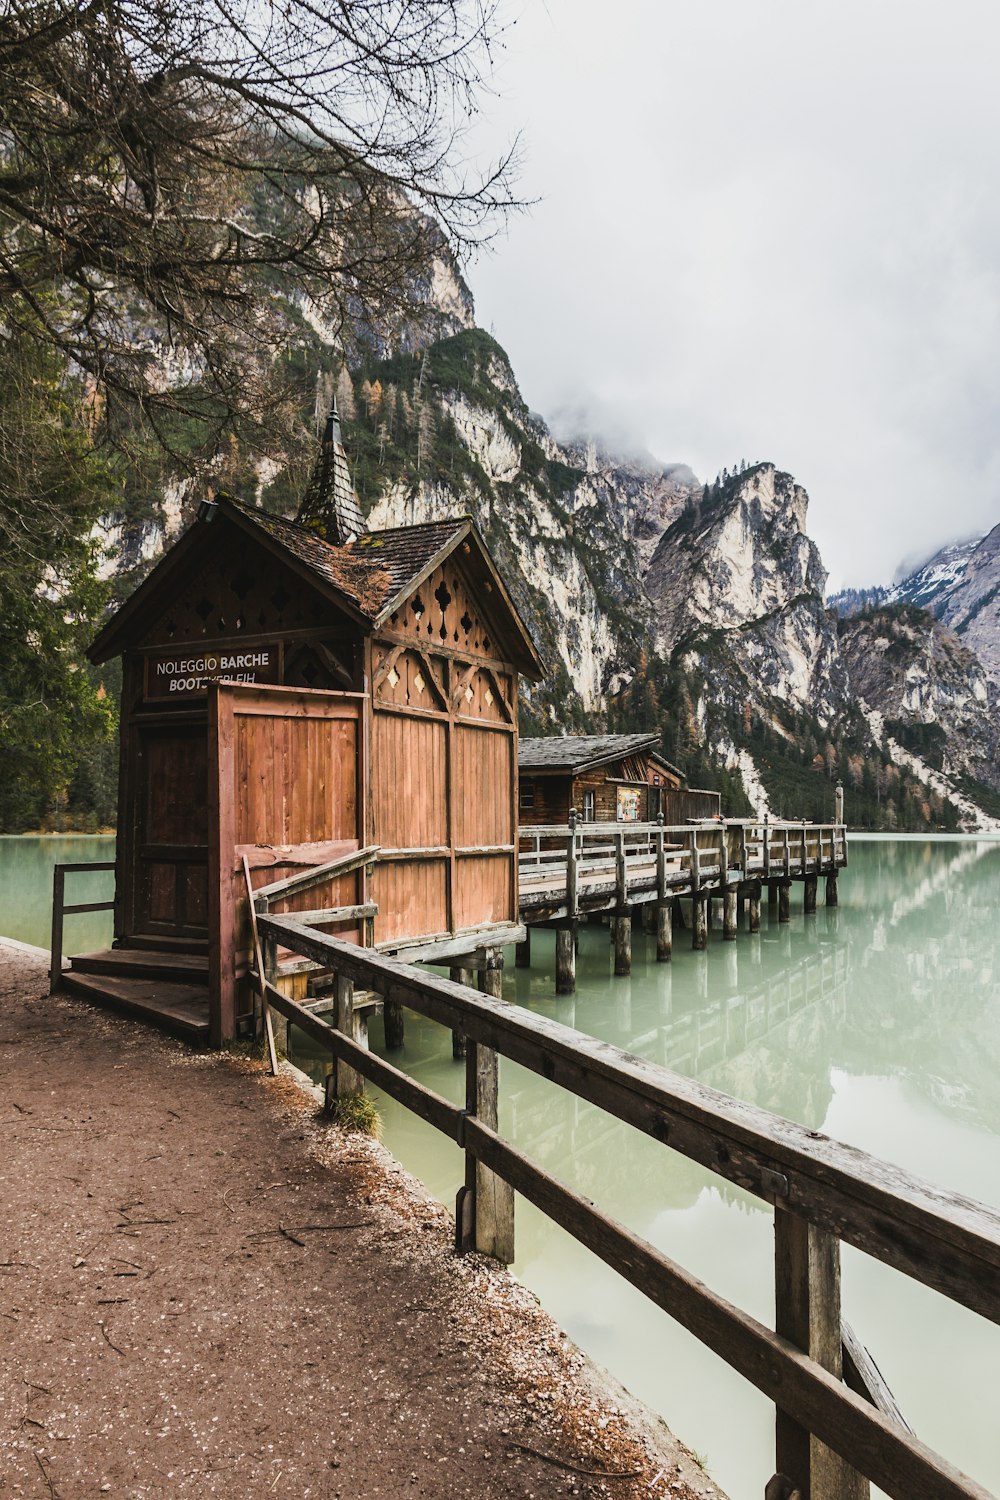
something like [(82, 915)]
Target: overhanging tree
[(167, 165)]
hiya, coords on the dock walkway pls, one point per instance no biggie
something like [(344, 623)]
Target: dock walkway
[(206, 1290)]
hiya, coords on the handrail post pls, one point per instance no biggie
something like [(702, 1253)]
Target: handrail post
[(58, 901), (484, 1209), (622, 917), (344, 1080), (807, 1313), (566, 931), (664, 903), (572, 868), (699, 916)]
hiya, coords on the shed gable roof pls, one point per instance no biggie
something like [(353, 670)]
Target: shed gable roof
[(580, 752), (367, 579)]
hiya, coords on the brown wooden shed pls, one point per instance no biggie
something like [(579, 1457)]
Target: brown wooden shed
[(607, 778), (293, 699)]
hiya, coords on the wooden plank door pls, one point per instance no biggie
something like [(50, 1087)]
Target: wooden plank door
[(170, 822), (287, 787)]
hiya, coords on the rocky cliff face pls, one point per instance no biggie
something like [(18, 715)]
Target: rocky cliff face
[(933, 694), (738, 586)]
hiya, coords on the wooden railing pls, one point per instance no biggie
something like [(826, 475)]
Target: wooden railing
[(720, 849), (61, 910), (823, 1192)]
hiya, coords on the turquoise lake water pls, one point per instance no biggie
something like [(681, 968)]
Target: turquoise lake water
[(877, 1023)]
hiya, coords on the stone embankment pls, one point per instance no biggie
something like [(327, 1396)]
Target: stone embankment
[(206, 1289)]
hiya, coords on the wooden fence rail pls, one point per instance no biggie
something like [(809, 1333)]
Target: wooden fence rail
[(61, 910), (823, 1192)]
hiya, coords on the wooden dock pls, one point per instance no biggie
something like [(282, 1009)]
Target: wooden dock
[(573, 872)]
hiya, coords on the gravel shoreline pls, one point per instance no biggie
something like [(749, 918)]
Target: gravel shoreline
[(207, 1289)]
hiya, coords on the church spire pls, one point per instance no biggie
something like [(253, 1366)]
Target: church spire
[(329, 506)]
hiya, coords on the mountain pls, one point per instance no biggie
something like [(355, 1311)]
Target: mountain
[(929, 695), (657, 602)]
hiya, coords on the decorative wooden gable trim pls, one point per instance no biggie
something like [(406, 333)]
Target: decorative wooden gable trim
[(406, 677), (238, 589), (483, 694), (443, 615)]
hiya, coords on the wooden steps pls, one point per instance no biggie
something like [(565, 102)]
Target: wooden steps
[(145, 963), (166, 988), (156, 944)]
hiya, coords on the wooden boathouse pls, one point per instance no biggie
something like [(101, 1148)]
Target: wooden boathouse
[(606, 778), (310, 701)]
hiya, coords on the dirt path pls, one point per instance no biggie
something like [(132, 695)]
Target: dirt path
[(207, 1290)]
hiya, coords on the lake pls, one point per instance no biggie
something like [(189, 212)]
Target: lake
[(877, 1022)]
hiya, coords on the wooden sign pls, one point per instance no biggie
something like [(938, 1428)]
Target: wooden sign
[(186, 671)]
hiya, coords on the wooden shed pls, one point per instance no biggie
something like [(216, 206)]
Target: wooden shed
[(607, 778), (293, 699)]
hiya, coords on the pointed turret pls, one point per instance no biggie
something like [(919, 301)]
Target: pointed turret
[(329, 506)]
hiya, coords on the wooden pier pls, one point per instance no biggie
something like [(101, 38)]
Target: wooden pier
[(573, 872)]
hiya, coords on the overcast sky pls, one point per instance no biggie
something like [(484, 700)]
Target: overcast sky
[(767, 229)]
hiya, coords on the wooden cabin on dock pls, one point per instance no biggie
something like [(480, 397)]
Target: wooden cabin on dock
[(607, 778), (296, 697)]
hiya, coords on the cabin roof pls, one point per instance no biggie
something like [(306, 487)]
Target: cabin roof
[(369, 578), (573, 753), (376, 570)]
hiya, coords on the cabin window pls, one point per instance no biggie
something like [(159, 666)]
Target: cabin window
[(526, 797), (589, 811)]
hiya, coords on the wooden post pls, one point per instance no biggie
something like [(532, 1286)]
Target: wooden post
[(729, 924), (392, 1017), (58, 901), (566, 959), (467, 977), (279, 1023), (767, 848), (809, 894), (623, 942), (621, 872), (831, 888), (265, 1009), (699, 923), (484, 1217), (807, 1313), (664, 903), (522, 952), (784, 901), (772, 893), (753, 909), (572, 868), (664, 932), (838, 803), (344, 1080)]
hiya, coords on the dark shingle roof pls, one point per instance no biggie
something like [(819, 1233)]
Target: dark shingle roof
[(580, 752), (373, 569)]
